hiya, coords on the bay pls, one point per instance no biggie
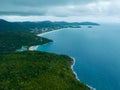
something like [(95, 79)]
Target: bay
[(96, 51)]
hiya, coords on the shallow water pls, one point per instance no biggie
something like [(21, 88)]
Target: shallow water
[(96, 50)]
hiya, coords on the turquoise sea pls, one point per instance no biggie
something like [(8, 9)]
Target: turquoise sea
[(96, 51)]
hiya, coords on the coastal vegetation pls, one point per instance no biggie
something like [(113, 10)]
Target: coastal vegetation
[(14, 35), (40, 27), (37, 71), (11, 41), (45, 26)]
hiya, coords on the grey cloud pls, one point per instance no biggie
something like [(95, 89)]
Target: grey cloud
[(38, 7), (44, 2), (22, 13)]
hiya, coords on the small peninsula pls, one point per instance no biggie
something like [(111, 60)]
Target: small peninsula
[(37, 70)]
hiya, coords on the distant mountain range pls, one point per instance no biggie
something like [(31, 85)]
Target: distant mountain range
[(38, 27), (9, 26)]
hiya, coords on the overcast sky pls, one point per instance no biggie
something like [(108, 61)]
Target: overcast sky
[(60, 10)]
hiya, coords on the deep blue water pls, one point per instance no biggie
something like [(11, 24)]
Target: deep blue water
[(96, 50)]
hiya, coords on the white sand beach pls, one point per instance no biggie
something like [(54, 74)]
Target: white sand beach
[(33, 48), (41, 34)]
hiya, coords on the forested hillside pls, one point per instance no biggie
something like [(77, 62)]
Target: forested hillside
[(37, 71), (11, 41)]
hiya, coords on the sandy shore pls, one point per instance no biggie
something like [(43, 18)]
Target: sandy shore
[(33, 48), (41, 34)]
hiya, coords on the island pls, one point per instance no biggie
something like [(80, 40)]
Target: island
[(89, 26)]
